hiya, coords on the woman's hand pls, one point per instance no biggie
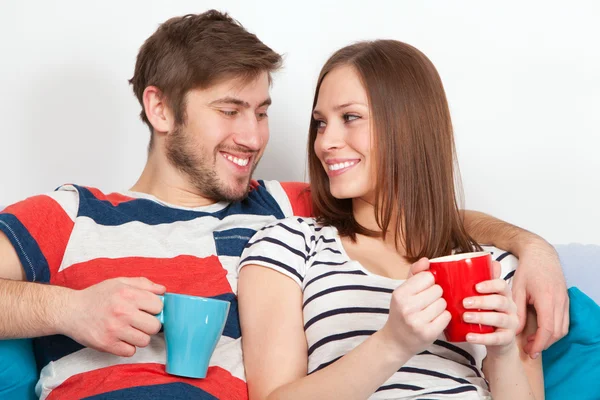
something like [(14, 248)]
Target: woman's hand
[(418, 312), (496, 308)]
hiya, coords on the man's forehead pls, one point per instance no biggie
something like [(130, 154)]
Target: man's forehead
[(251, 91)]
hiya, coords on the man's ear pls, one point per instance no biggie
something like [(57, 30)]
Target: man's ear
[(157, 110)]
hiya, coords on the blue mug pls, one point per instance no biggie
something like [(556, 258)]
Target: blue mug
[(192, 327)]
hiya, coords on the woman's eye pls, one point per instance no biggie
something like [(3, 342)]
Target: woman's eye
[(320, 124), (350, 117)]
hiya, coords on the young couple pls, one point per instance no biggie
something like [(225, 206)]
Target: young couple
[(345, 307)]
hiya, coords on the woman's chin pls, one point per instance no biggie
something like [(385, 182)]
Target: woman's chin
[(341, 193)]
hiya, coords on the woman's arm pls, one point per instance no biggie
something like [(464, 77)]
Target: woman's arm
[(510, 372), (275, 348), (516, 375)]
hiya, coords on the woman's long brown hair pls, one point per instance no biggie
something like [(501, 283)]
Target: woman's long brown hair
[(414, 145)]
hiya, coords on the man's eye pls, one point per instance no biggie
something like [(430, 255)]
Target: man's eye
[(229, 113)]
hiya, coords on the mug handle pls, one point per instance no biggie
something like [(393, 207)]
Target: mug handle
[(160, 315)]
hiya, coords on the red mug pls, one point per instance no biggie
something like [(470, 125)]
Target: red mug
[(457, 275)]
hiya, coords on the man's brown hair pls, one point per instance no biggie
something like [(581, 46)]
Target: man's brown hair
[(414, 147), (196, 51)]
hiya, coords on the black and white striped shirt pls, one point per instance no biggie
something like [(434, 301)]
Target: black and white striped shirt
[(343, 303)]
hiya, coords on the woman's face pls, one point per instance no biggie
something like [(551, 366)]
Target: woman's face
[(343, 143)]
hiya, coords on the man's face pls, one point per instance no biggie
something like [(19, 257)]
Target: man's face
[(224, 137)]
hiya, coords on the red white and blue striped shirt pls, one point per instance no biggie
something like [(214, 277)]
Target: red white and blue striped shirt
[(77, 237)]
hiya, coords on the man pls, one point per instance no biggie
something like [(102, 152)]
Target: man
[(203, 83)]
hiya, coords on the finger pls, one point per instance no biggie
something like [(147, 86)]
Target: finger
[(419, 266), (441, 322), (497, 319), (494, 302), (559, 310), (493, 286), (520, 299), (541, 337), (418, 283), (434, 310), (496, 269), (121, 349), (144, 284), (566, 318), (146, 323), (545, 321), (148, 302), (497, 338), (134, 337), (425, 298)]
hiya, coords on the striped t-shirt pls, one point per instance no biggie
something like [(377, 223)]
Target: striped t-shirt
[(78, 236), (343, 303)]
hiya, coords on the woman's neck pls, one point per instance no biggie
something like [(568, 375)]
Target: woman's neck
[(364, 214)]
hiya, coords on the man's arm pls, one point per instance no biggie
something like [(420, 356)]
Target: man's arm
[(23, 316), (486, 229), (539, 280), (113, 316)]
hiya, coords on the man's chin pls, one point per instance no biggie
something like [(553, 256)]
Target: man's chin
[(235, 192)]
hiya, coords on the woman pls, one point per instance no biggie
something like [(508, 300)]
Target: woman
[(343, 307)]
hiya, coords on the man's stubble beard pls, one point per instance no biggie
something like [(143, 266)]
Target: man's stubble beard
[(200, 170)]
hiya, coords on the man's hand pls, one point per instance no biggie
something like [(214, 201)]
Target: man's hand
[(114, 316), (539, 281)]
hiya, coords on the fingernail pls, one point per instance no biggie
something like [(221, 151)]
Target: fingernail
[(468, 302), (535, 355), (479, 286), (470, 337), (468, 317)]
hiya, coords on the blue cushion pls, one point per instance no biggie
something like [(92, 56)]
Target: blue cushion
[(18, 371), (572, 365)]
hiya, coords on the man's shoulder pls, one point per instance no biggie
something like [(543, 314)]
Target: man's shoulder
[(292, 198), (64, 198), (93, 193)]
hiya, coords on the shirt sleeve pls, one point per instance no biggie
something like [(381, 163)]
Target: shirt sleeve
[(39, 229), (283, 246), (507, 260)]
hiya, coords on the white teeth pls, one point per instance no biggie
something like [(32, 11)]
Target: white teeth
[(335, 167), (242, 162)]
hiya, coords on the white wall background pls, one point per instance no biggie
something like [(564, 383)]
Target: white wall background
[(522, 77)]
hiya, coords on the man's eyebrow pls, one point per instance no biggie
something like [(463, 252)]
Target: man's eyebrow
[(238, 102), (266, 102)]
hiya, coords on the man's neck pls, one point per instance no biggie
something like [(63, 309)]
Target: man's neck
[(161, 180)]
